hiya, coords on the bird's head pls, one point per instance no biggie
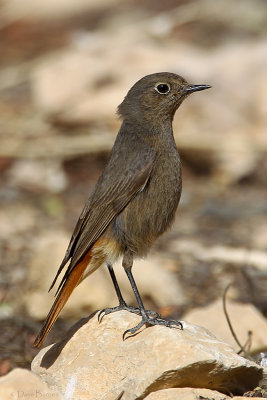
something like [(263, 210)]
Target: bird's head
[(156, 96)]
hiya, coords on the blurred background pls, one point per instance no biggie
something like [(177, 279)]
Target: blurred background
[(64, 68)]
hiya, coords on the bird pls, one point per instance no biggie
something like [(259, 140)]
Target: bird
[(134, 200)]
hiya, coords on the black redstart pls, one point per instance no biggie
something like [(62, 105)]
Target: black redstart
[(134, 200)]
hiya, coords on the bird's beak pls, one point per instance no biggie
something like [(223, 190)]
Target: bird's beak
[(195, 88)]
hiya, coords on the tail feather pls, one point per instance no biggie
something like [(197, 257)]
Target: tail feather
[(71, 282)]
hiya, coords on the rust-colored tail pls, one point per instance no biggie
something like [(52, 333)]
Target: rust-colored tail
[(72, 281)]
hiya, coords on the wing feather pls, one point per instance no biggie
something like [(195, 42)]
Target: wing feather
[(105, 203)]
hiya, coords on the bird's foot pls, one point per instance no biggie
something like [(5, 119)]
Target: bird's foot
[(151, 322), (124, 306)]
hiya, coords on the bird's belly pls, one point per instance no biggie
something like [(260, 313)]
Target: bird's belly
[(149, 214)]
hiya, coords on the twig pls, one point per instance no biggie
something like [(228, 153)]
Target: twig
[(248, 343), (242, 348)]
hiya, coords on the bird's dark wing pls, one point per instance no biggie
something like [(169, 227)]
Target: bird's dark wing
[(113, 191)]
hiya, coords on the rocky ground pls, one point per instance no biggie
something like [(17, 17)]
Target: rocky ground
[(64, 68), (147, 365)]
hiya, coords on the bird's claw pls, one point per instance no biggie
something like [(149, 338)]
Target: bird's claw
[(125, 307), (152, 322)]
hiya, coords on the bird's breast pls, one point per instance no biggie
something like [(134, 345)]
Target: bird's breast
[(152, 210)]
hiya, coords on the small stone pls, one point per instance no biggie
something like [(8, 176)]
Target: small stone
[(244, 318), (21, 383), (96, 362), (45, 175), (93, 293)]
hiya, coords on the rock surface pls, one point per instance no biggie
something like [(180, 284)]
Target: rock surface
[(191, 394), (94, 362), (46, 175), (244, 318), (186, 394), (23, 384)]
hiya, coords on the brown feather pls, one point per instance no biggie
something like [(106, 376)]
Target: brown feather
[(69, 285), (105, 203)]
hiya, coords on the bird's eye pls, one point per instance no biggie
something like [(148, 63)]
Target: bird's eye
[(162, 88)]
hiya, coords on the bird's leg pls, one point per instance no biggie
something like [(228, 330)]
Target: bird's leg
[(122, 303), (116, 285), (127, 264)]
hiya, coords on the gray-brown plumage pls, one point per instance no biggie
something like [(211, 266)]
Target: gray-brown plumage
[(136, 197)]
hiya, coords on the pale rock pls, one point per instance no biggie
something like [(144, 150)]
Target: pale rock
[(85, 110), (49, 249), (49, 9), (244, 397), (25, 221), (244, 318), (23, 384), (95, 362), (38, 174), (224, 254), (73, 67), (186, 394), (48, 252), (259, 238), (155, 281), (93, 293)]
